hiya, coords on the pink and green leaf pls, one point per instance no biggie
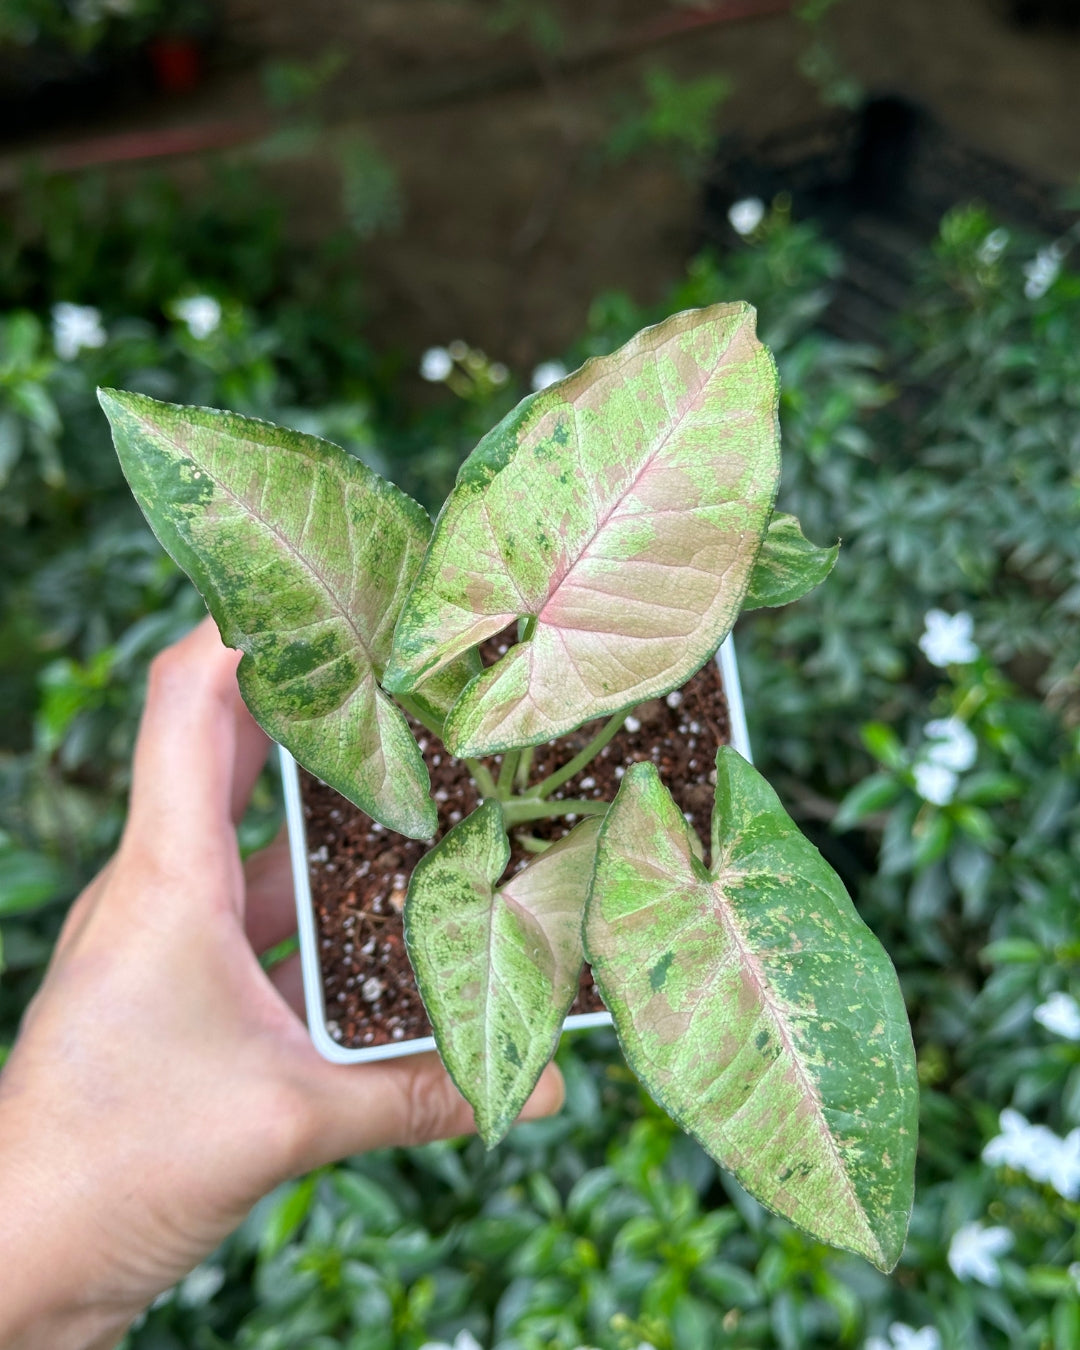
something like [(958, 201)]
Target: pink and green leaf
[(304, 557), (497, 968), (788, 566), (757, 1008), (622, 510)]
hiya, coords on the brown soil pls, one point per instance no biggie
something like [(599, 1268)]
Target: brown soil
[(360, 871)]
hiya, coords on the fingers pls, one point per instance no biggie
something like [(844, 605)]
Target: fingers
[(270, 913), (199, 750), (403, 1102)]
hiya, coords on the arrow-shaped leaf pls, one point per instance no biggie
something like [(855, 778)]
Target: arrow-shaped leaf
[(621, 509), (788, 565), (757, 1007), (303, 556), (497, 969)]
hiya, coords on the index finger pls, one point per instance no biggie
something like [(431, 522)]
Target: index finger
[(199, 750)]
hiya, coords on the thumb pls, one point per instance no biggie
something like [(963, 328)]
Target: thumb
[(404, 1101)]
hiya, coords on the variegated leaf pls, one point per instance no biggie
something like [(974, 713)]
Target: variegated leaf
[(497, 968), (621, 510), (788, 565), (303, 556), (757, 1008)]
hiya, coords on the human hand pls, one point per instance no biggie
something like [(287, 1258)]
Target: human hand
[(162, 1080)]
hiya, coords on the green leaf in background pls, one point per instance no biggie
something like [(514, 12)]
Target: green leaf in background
[(788, 566), (497, 969), (28, 880), (303, 556), (621, 511), (757, 1007)]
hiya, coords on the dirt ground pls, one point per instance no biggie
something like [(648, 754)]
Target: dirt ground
[(513, 213)]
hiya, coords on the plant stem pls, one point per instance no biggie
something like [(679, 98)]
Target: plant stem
[(560, 776), (521, 778), (531, 844), (519, 809), (482, 777), (506, 773)]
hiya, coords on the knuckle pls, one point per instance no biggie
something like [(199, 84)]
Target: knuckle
[(434, 1109), (191, 667), (289, 1124)]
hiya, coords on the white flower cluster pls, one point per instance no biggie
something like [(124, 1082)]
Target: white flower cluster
[(1038, 1152), (975, 1250), (947, 639), (902, 1337), (75, 327), (1061, 1015), (201, 314), (950, 749)]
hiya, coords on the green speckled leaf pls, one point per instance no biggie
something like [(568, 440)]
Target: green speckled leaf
[(788, 565), (497, 969), (622, 510), (757, 1008), (303, 556)]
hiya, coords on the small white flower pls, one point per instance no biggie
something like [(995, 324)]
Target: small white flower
[(746, 215), (935, 784), (76, 327), (1064, 1167), (993, 246), (947, 639), (547, 372), (974, 1252), (903, 1337), (198, 1288), (1020, 1144), (1042, 271), (1061, 1015), (952, 744), (1037, 1151), (201, 313), (436, 364)]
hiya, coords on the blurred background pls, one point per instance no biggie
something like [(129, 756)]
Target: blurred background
[(385, 222)]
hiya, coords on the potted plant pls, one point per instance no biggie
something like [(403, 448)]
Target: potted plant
[(615, 524)]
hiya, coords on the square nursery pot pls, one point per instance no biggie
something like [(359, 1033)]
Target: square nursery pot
[(316, 831)]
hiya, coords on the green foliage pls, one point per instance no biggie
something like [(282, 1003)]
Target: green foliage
[(303, 556), (678, 119), (498, 966), (788, 566), (770, 1010), (592, 490), (82, 28)]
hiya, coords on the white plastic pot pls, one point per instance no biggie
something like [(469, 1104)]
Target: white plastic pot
[(305, 910)]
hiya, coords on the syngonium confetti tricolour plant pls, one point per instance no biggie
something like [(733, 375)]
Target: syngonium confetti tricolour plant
[(621, 518)]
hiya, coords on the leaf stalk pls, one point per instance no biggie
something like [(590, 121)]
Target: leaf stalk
[(583, 757), (520, 809)]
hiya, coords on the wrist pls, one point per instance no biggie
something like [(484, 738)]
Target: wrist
[(59, 1293)]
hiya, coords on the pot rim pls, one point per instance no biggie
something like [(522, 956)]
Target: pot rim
[(314, 1002)]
